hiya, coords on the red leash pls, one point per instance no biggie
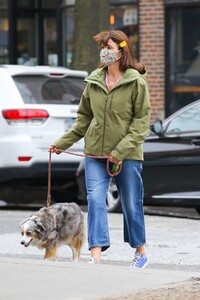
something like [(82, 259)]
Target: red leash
[(112, 174), (116, 170), (49, 182)]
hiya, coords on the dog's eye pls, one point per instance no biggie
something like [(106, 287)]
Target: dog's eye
[(28, 233), (22, 233)]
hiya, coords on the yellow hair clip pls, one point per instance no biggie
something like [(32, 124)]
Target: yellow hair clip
[(123, 44)]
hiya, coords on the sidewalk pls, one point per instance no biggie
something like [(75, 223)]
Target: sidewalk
[(33, 279)]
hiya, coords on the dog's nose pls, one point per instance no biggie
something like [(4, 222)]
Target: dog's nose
[(22, 242)]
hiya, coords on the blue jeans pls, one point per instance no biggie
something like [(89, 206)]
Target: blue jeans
[(130, 187)]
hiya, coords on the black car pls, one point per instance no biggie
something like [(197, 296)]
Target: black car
[(171, 168)]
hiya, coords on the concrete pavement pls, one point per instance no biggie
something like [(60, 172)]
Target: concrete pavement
[(34, 279)]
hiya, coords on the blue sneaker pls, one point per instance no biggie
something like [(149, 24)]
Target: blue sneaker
[(140, 261)]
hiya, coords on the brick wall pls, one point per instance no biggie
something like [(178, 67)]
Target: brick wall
[(152, 51)]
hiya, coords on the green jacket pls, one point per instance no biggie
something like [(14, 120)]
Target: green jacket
[(115, 121)]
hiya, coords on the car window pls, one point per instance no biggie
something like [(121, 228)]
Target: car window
[(187, 121), (45, 90)]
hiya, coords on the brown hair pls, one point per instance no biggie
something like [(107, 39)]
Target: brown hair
[(127, 60)]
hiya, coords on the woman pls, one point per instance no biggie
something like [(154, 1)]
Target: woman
[(113, 117)]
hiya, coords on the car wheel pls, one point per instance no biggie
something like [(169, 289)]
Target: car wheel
[(113, 200), (198, 209)]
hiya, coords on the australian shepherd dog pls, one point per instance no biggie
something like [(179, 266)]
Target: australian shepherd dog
[(49, 228)]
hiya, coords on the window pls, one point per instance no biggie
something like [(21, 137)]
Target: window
[(183, 42), (187, 121), (26, 49), (125, 18), (4, 28), (41, 89), (50, 3), (3, 4), (50, 41), (122, 17), (68, 35), (25, 3), (4, 37)]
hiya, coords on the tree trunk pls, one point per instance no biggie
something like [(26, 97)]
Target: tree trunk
[(91, 17)]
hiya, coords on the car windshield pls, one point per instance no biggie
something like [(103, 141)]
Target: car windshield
[(45, 90), (187, 121)]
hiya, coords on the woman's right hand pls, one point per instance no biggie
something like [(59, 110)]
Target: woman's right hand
[(54, 149)]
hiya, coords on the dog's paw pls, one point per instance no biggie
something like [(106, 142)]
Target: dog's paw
[(51, 258), (74, 260)]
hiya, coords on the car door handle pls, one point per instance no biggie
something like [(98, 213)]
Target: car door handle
[(196, 142)]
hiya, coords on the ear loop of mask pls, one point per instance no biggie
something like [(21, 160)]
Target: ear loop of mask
[(116, 53)]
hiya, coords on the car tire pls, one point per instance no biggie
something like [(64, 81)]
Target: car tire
[(198, 209), (113, 200)]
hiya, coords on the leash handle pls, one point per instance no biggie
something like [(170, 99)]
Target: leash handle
[(49, 182), (115, 173)]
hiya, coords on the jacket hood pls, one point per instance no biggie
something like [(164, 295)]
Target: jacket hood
[(98, 76)]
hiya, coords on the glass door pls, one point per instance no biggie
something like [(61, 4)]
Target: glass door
[(36, 32), (26, 41), (183, 56), (50, 41), (68, 35), (4, 32)]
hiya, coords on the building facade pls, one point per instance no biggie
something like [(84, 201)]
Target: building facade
[(165, 35)]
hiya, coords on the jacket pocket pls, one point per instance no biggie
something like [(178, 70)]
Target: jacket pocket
[(93, 138)]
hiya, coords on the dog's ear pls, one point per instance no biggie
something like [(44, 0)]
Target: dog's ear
[(23, 222), (40, 227)]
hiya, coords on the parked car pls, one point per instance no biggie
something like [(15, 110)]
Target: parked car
[(37, 105), (171, 169)]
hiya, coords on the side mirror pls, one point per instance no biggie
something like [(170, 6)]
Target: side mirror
[(157, 127)]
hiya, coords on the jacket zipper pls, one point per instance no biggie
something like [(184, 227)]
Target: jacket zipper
[(112, 92), (104, 125)]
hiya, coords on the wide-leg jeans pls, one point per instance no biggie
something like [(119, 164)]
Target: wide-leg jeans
[(130, 186)]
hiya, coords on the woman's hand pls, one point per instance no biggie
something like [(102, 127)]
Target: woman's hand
[(54, 149), (114, 160)]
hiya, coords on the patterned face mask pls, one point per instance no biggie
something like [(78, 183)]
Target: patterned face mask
[(107, 56)]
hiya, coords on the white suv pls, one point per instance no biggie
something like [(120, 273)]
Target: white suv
[(37, 105)]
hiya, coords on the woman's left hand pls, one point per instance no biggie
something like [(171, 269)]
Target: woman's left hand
[(114, 160)]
